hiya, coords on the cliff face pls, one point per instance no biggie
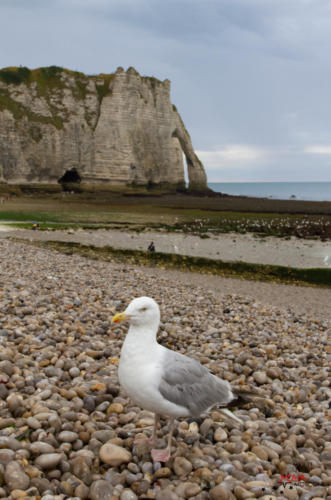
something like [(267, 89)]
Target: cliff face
[(120, 129)]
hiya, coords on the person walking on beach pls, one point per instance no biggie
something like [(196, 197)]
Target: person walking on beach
[(151, 247)]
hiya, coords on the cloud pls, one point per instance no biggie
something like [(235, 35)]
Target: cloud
[(244, 73), (319, 150), (232, 154)]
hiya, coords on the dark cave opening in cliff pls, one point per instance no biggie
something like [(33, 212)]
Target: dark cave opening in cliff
[(70, 177)]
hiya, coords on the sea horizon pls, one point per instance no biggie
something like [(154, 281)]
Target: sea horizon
[(292, 190)]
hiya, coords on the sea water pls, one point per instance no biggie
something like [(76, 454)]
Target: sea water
[(313, 191)]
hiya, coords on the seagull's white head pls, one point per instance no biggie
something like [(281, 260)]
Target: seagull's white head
[(143, 312)]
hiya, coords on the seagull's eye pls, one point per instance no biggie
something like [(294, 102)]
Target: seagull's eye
[(143, 309)]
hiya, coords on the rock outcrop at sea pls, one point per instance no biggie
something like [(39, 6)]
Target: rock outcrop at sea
[(66, 429), (119, 129)]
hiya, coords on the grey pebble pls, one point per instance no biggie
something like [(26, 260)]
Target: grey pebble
[(100, 490), (15, 476), (67, 436), (48, 460)]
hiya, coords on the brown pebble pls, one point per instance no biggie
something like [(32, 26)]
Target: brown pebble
[(115, 408), (220, 492), (163, 472), (182, 466)]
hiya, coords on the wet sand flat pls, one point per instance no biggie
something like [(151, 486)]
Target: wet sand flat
[(300, 253)]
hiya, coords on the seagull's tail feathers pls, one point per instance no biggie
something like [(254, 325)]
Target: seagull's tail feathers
[(229, 414), (244, 397)]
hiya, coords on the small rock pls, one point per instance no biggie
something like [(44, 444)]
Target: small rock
[(14, 402), (166, 494), (67, 436), (39, 448), (80, 469), (128, 495), (182, 466), (220, 434), (220, 492), (192, 489), (261, 452), (74, 372), (100, 490), (114, 455), (82, 492), (15, 494), (45, 394), (9, 442), (48, 460), (163, 472), (6, 456), (15, 476), (115, 408), (33, 423), (89, 403), (241, 493), (193, 428), (260, 377), (274, 446)]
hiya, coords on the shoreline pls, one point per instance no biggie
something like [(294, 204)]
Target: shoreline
[(228, 247)]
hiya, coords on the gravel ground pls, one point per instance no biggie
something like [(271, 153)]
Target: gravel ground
[(66, 430), (228, 247), (310, 301), (304, 300)]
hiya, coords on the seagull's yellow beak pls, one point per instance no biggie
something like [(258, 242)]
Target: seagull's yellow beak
[(120, 317)]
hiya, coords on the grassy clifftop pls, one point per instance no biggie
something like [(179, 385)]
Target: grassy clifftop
[(50, 81), (47, 83), (50, 77), (55, 77)]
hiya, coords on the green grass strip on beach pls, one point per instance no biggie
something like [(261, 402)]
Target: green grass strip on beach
[(238, 269)]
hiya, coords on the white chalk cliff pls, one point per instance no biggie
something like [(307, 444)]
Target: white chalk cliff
[(119, 129)]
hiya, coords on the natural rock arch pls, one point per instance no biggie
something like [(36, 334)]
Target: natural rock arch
[(196, 174)]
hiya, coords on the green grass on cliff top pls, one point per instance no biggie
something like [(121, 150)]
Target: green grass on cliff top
[(50, 76), (49, 83)]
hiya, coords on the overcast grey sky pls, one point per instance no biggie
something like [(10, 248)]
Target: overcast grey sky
[(250, 78)]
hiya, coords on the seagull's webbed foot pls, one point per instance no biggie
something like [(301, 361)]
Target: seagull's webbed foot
[(164, 455), (160, 455)]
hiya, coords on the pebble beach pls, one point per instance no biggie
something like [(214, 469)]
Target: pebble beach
[(68, 431)]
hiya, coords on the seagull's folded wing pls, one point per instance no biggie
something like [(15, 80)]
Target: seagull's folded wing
[(187, 383)]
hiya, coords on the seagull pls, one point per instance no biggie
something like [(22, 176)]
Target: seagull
[(163, 381)]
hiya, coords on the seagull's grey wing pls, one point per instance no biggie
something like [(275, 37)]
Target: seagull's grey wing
[(187, 383)]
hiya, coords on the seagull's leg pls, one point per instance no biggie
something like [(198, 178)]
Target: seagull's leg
[(156, 423), (164, 455), (151, 440)]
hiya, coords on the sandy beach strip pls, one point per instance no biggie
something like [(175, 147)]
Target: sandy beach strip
[(227, 247)]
